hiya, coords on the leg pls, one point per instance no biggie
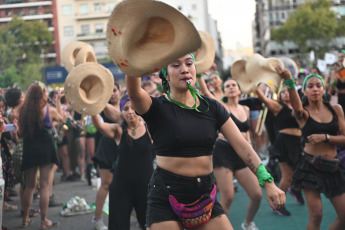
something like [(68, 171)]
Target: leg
[(220, 223), (171, 225), (63, 153), (30, 185), (338, 203), (287, 173), (314, 204), (251, 185), (225, 184), (45, 172), (51, 179), (90, 149), (80, 146), (106, 178)]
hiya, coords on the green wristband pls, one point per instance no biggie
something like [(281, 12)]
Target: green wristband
[(199, 75), (68, 122), (263, 175), (333, 83), (290, 83)]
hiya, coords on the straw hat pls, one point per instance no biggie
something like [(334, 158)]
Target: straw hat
[(144, 36), (204, 56), (88, 88), (69, 54), (255, 70), (85, 54)]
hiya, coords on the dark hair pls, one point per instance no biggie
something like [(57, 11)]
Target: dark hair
[(52, 93), (63, 99), (165, 83), (2, 99), (124, 127), (12, 97), (30, 118), (317, 69), (325, 101)]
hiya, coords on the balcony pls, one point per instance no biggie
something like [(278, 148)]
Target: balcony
[(26, 4), (90, 37), (102, 15), (28, 18)]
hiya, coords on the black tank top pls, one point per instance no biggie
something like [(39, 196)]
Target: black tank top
[(315, 127), (340, 84), (134, 157), (284, 118), (242, 126)]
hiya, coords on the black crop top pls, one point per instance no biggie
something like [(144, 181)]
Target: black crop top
[(315, 127), (340, 84), (180, 132), (242, 126), (284, 118)]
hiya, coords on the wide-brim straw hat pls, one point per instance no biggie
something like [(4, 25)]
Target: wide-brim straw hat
[(145, 36), (69, 54), (256, 70), (204, 56), (85, 54), (88, 88)]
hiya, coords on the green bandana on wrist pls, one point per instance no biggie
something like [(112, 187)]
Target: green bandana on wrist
[(263, 175)]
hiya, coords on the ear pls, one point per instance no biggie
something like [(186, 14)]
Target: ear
[(167, 77)]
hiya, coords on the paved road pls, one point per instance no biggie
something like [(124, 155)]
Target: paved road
[(64, 191)]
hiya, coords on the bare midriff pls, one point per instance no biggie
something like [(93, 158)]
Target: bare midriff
[(291, 131), (186, 166), (322, 149)]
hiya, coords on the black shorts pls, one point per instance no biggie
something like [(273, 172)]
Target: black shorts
[(90, 135), (306, 176), (225, 156), (185, 189), (63, 142), (287, 148)]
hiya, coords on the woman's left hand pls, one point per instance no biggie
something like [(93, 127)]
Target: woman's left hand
[(316, 138), (275, 197)]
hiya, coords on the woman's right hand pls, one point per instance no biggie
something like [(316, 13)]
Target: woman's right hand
[(275, 197), (283, 72)]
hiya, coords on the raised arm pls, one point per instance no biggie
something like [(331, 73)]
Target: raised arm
[(140, 99), (300, 113), (272, 105), (107, 129), (113, 113), (203, 87)]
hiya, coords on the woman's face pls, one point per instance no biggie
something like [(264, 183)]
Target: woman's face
[(115, 96), (180, 71), (314, 89), (314, 71), (284, 94), (128, 112), (341, 57), (231, 89), (215, 81)]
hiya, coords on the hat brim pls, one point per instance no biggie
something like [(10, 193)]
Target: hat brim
[(238, 72), (85, 54), (69, 54), (204, 56), (148, 42), (88, 88)]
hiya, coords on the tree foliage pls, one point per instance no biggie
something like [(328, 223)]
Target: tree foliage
[(21, 44), (312, 25)]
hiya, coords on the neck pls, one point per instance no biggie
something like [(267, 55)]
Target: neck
[(133, 124), (315, 104), (184, 97), (233, 101)]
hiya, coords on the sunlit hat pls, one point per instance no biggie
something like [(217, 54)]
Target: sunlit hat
[(145, 36), (204, 56), (88, 88), (69, 53), (85, 54), (256, 70)]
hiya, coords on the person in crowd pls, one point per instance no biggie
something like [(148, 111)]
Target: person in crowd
[(227, 163), (39, 152), (183, 126), (216, 83), (287, 146), (323, 128), (316, 70), (133, 169), (340, 81), (106, 155)]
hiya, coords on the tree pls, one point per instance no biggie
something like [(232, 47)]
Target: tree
[(21, 43), (312, 26)]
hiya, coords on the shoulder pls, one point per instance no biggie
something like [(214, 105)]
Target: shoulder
[(338, 110)]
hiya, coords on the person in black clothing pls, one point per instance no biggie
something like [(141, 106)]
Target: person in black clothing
[(287, 145), (184, 128), (323, 128), (133, 169)]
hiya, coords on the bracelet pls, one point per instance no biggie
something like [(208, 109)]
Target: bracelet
[(290, 83), (263, 175), (327, 138), (199, 75)]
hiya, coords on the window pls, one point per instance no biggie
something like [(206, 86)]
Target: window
[(68, 31), (283, 15), (67, 10), (110, 7), (85, 29), (277, 16), (99, 28), (271, 17), (97, 7), (83, 8)]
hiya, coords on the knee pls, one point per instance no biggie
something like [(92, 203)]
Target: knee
[(256, 197), (105, 186), (227, 199), (315, 218)]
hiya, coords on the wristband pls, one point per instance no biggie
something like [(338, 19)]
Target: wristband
[(290, 83), (333, 83), (263, 175), (199, 75), (327, 138)]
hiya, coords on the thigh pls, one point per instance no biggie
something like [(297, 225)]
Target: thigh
[(220, 223), (106, 176), (168, 225), (224, 180), (45, 171), (314, 202), (286, 169), (90, 145), (248, 181), (30, 177), (338, 203)]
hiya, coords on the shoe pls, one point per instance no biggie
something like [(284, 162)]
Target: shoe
[(13, 192), (297, 195), (47, 226), (250, 226), (98, 224), (9, 207), (32, 212), (282, 211), (82, 178), (27, 223)]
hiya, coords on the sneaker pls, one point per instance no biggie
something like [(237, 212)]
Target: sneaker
[(98, 224), (282, 211), (250, 226), (297, 195)]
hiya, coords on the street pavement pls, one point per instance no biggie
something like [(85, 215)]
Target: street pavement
[(64, 191)]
